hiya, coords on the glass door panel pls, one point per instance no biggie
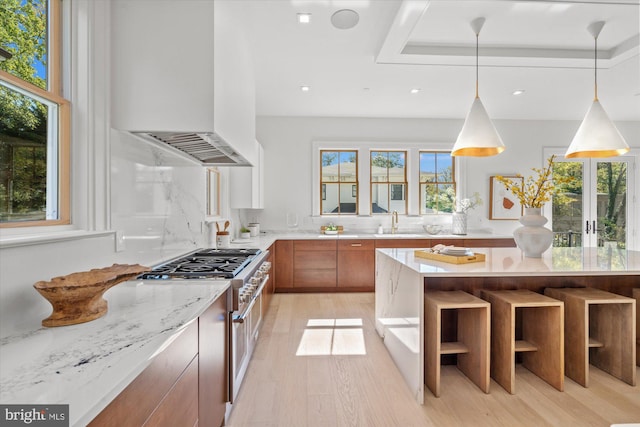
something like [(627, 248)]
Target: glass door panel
[(567, 216), (611, 204), (594, 209)]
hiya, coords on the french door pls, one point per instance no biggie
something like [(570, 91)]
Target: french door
[(595, 209)]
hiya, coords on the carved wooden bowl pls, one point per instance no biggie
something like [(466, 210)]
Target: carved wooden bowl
[(77, 297)]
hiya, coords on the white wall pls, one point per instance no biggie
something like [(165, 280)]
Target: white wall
[(288, 147)]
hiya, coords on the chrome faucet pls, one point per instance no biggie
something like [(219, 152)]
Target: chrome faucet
[(394, 222)]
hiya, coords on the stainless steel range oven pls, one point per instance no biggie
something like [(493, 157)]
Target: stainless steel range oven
[(248, 271)]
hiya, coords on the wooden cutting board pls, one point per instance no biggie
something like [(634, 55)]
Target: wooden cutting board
[(451, 259)]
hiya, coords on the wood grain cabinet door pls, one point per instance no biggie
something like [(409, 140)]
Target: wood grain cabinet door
[(213, 376), (135, 404), (283, 264), (314, 264), (356, 264)]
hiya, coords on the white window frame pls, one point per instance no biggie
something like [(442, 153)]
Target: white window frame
[(364, 149)]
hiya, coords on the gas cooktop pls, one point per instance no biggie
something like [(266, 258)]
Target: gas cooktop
[(204, 264)]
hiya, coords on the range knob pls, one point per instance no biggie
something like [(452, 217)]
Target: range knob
[(266, 266), (255, 281)]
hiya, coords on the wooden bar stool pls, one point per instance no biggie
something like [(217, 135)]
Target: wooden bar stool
[(602, 322), (542, 343), (472, 345), (636, 295)]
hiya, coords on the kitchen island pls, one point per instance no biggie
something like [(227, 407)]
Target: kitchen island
[(402, 278), (87, 365)]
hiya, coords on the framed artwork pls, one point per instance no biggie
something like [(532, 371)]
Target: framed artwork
[(213, 192), (503, 203)]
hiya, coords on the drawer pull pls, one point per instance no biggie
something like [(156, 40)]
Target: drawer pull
[(356, 245)]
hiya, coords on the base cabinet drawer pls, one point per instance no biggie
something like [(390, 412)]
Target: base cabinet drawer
[(315, 278), (135, 404), (180, 406)]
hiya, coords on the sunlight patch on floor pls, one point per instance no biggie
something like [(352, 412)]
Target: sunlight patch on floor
[(325, 337)]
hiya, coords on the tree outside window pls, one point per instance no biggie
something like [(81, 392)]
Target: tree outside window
[(437, 182), (31, 112)]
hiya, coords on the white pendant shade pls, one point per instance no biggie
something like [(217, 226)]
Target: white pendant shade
[(597, 136), (478, 136)]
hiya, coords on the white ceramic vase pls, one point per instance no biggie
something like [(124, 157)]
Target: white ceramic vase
[(533, 238), (459, 223)]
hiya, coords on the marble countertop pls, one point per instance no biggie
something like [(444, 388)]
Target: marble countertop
[(511, 262), (269, 237), (88, 365)]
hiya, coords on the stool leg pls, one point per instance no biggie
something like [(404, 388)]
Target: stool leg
[(473, 331), (503, 331), (544, 327), (612, 325), (432, 339), (576, 341)]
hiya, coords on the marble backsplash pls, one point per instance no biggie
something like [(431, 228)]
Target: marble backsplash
[(157, 203)]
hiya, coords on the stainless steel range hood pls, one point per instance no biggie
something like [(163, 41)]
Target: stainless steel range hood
[(208, 148)]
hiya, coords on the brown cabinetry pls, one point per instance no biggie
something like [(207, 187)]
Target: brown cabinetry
[(186, 384), (490, 243), (137, 403), (283, 264), (403, 243), (345, 264), (213, 355), (314, 263), (356, 260)]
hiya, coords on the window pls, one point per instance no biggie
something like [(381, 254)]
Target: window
[(34, 118), (388, 181), (437, 182), (339, 182)]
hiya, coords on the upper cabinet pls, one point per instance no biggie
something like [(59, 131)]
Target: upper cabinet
[(247, 185), (183, 66)]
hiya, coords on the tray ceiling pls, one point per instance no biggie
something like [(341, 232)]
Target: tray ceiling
[(541, 47)]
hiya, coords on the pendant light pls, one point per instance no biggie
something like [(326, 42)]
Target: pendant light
[(597, 136), (478, 137)]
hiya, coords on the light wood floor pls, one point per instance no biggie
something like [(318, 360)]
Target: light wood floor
[(330, 384)]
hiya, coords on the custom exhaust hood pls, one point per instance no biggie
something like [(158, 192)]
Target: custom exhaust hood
[(206, 147), (200, 105)]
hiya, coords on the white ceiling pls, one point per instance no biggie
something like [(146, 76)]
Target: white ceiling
[(542, 47)]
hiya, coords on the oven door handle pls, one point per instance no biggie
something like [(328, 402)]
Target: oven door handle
[(242, 316)]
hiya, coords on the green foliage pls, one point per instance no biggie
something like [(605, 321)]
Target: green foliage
[(23, 30), (23, 119), (391, 159)]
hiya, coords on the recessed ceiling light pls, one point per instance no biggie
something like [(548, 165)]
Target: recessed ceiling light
[(304, 18), (305, 88), (518, 92), (415, 90), (345, 19)]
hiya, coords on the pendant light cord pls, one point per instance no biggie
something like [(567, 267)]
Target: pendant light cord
[(477, 36), (595, 69)]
